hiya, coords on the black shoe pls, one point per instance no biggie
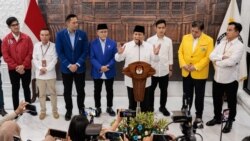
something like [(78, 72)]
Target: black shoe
[(164, 111), (47, 98), (68, 115), (110, 111), (213, 122), (82, 111), (198, 123), (227, 128), (31, 109), (98, 112), (3, 112)]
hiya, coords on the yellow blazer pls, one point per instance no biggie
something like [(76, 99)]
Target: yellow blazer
[(199, 57)]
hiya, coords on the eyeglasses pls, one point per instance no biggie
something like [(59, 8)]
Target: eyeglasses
[(17, 24)]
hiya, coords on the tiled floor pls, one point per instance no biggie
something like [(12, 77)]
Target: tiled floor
[(35, 129)]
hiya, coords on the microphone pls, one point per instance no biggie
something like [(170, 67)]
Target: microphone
[(139, 43)]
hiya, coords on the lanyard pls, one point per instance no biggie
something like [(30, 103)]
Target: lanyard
[(43, 53), (226, 48)]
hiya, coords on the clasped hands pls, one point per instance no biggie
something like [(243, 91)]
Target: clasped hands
[(20, 69), (189, 68)]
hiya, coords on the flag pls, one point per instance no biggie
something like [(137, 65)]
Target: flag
[(33, 21), (233, 15)]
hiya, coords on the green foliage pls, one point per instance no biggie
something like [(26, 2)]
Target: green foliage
[(144, 124)]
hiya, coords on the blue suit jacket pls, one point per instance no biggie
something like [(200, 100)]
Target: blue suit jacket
[(99, 59), (67, 55)]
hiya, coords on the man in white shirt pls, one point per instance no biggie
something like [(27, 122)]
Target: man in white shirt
[(163, 67), (137, 50), (226, 58), (45, 59)]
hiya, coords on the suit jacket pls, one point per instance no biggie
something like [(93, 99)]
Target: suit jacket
[(199, 57), (69, 55), (99, 59)]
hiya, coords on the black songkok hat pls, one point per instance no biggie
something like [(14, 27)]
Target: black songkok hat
[(102, 26), (139, 28)]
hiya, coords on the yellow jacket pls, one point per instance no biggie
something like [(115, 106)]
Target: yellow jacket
[(199, 57)]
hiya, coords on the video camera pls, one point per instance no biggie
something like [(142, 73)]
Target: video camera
[(93, 130), (185, 118)]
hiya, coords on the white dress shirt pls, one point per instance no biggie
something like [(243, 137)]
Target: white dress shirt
[(103, 43), (131, 54), (165, 55), (50, 56), (227, 70)]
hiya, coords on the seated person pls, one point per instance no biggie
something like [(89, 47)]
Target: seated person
[(77, 125), (246, 138), (9, 128), (20, 109)]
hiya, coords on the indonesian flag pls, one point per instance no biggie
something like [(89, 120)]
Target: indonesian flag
[(33, 21), (233, 15)]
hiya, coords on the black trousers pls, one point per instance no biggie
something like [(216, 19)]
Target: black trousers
[(189, 85), (15, 82), (230, 90), (132, 103), (109, 89), (79, 79), (163, 85)]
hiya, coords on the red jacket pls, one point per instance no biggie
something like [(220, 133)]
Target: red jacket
[(17, 52)]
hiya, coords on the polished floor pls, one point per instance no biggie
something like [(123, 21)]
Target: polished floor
[(35, 129)]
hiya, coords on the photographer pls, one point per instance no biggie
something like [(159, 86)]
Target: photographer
[(76, 130), (20, 109), (9, 128)]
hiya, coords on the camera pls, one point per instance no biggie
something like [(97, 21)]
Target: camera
[(31, 109), (128, 113), (58, 134), (161, 137), (114, 136), (185, 119), (16, 138), (89, 112)]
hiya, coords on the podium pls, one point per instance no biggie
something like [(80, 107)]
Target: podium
[(139, 72)]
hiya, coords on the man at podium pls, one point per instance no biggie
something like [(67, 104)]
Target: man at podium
[(133, 51)]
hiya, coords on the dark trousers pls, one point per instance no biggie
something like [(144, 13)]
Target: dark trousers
[(163, 85), (109, 89), (1, 94), (230, 90), (79, 79), (15, 82), (132, 103), (189, 85)]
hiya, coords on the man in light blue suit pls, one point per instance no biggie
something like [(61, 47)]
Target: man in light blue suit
[(71, 47), (102, 52)]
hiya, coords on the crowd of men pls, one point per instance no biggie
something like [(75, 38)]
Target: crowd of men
[(72, 48)]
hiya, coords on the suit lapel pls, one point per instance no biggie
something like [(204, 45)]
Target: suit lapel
[(99, 47), (66, 34), (197, 48), (190, 44), (76, 39)]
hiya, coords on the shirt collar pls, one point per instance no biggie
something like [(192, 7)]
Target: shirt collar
[(102, 41), (46, 44), (70, 33), (234, 40), (135, 45), (16, 36), (163, 38)]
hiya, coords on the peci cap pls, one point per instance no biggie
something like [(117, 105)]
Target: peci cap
[(102, 26), (139, 28)]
